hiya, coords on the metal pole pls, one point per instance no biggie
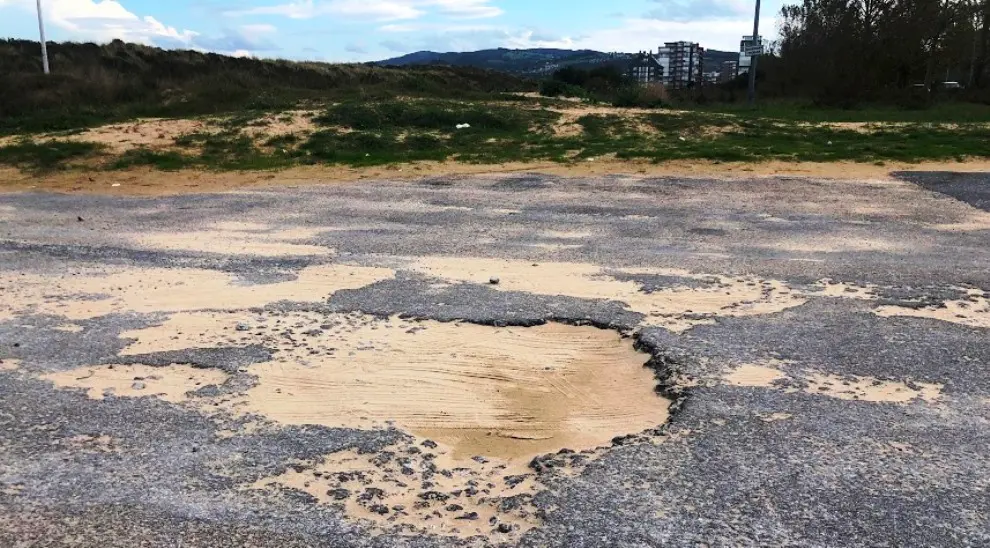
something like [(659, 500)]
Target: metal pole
[(753, 58), (44, 43)]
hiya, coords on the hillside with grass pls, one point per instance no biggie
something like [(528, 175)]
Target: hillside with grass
[(120, 106), (94, 84)]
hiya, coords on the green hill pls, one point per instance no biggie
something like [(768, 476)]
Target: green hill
[(92, 84)]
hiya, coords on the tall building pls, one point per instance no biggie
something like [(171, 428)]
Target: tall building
[(645, 68), (682, 64), (728, 71)]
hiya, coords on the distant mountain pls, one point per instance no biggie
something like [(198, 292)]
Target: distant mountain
[(534, 62), (515, 61)]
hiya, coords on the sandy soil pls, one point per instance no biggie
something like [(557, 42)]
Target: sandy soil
[(848, 387), (973, 311), (510, 393), (677, 308), (147, 182), (136, 381), (91, 292)]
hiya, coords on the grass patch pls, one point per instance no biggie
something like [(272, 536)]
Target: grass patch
[(427, 115), (938, 113), (48, 155)]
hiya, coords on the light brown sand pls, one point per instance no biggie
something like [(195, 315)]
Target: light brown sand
[(147, 182), (9, 364), (502, 392), (235, 239), (677, 308), (149, 133), (973, 311), (137, 381), (90, 292), (849, 387), (382, 494)]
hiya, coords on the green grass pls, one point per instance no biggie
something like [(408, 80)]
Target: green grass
[(390, 131), (938, 113), (428, 115), (46, 156)]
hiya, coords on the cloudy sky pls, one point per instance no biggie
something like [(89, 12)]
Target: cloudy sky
[(363, 30)]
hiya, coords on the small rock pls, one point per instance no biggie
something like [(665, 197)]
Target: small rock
[(243, 327), (504, 528), (379, 509), (430, 444), (494, 280), (468, 516), (79, 219), (339, 494), (434, 495), (371, 493), (479, 459), (454, 508), (138, 385)]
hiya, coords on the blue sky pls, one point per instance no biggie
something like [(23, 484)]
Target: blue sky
[(363, 30)]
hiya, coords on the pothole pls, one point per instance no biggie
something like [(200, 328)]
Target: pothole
[(509, 392), (479, 403)]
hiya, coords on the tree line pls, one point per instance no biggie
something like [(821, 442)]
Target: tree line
[(844, 51)]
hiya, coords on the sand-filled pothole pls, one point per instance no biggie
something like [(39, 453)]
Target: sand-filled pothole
[(510, 392), (478, 402)]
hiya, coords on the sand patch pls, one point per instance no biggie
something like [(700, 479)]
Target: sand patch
[(149, 182), (416, 488), (829, 288), (844, 387), (8, 364), (674, 308), (88, 292), (289, 122), (753, 375), (92, 443), (69, 328), (499, 392), (235, 239), (973, 311), (141, 133), (137, 381), (837, 244)]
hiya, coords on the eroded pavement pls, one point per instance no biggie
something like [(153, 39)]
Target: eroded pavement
[(500, 360)]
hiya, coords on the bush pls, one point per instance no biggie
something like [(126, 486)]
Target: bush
[(652, 96), (556, 88)]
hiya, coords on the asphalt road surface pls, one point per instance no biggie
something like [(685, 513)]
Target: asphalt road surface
[(451, 362)]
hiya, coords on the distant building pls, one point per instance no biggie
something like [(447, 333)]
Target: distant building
[(645, 68), (728, 71), (682, 64)]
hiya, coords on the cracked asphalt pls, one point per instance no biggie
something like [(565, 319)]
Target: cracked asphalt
[(772, 463)]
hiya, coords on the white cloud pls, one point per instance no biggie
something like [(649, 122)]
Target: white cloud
[(637, 34), (377, 10), (104, 20)]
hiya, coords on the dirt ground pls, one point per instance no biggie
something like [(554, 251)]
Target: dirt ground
[(148, 182)]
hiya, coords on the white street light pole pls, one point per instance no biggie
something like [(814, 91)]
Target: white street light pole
[(44, 44)]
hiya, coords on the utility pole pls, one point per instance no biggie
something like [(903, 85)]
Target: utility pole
[(752, 58), (44, 44)]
